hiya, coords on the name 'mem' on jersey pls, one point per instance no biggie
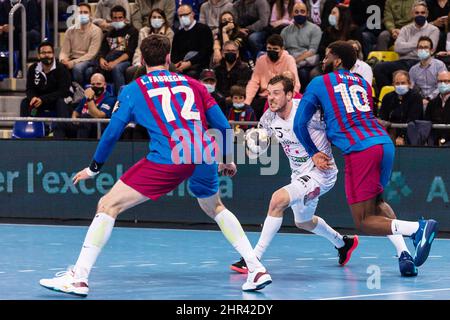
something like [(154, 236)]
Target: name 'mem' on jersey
[(282, 129), (174, 110), (346, 102)]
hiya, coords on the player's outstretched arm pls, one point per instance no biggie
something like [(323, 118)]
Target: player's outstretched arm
[(217, 120), (106, 145), (304, 114)]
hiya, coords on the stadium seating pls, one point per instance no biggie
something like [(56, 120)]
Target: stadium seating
[(28, 129), (384, 91), (383, 55)]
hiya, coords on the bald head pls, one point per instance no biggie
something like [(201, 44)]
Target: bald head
[(98, 80), (444, 76), (299, 8)]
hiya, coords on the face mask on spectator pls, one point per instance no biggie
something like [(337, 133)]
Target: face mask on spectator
[(402, 89), (300, 19), (210, 87), (156, 23), (84, 18), (420, 20), (238, 105), (46, 61), (98, 90), (185, 21), (423, 54), (443, 87), (273, 55), (332, 20), (118, 24), (230, 57)]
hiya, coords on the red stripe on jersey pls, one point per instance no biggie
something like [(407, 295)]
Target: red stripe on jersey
[(337, 112), (359, 113), (349, 116), (373, 122), (154, 112)]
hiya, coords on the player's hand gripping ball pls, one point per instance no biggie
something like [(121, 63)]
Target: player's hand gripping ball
[(257, 141)]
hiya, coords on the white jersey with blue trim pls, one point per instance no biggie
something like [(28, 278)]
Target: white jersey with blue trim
[(282, 129)]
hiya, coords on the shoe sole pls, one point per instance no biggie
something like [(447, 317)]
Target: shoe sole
[(349, 254), (239, 270), (71, 293), (419, 259), (409, 273), (259, 287)]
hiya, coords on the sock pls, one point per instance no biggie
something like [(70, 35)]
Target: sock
[(324, 230), (405, 228), (232, 230), (96, 237), (270, 228), (399, 243)]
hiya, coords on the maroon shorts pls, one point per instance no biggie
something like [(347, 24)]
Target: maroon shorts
[(154, 180), (363, 174)]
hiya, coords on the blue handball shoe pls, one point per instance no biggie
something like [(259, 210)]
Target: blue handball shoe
[(423, 239), (406, 265)]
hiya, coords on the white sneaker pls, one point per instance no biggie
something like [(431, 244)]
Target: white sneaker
[(257, 280), (64, 281)]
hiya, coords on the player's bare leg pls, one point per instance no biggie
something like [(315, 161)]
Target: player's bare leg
[(258, 277), (120, 198), (376, 217)]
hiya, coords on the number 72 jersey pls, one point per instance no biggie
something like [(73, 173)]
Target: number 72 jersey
[(346, 100)]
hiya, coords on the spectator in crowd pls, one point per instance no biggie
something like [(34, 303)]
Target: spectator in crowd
[(158, 25), (274, 62), (424, 74), (282, 15), (364, 16), (253, 17), (301, 39), (211, 12), (103, 12), (142, 9), (48, 86), (315, 9), (193, 45), (33, 25), (438, 110), (238, 110), (231, 70), (444, 55), (195, 5), (401, 106), (397, 14), (328, 6), (360, 67), (228, 30), (406, 45), (96, 104), (117, 49), (209, 80), (81, 44), (438, 16)]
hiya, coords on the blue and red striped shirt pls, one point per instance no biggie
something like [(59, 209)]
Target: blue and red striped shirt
[(176, 111), (347, 103)]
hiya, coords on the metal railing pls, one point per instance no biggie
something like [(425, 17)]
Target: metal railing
[(43, 18), (99, 121), (11, 30)]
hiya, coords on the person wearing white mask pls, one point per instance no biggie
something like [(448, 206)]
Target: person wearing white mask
[(239, 110), (424, 74), (192, 44), (438, 110), (117, 49), (103, 12), (209, 80), (158, 24), (81, 44), (401, 106)]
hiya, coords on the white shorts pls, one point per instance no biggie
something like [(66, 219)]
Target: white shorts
[(305, 190)]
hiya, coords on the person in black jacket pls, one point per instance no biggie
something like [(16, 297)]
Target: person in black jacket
[(401, 106), (192, 45), (117, 50), (48, 86)]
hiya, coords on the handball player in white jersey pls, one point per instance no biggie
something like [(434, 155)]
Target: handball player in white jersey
[(308, 183)]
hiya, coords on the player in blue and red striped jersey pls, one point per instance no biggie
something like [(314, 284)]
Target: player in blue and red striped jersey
[(176, 110), (346, 102)]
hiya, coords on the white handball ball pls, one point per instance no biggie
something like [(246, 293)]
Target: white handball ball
[(257, 141)]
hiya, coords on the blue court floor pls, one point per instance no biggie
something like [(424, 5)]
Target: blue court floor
[(141, 263)]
